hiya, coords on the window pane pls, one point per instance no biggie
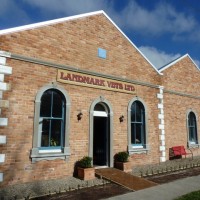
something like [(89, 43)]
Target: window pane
[(137, 123), (136, 130), (56, 132), (192, 128), (57, 104), (133, 112), (99, 107), (45, 133), (45, 109), (132, 133), (138, 139)]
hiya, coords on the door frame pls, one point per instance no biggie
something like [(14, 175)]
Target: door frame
[(110, 115)]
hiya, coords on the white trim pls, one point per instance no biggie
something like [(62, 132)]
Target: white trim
[(55, 21), (163, 132), (162, 137), (1, 177), (162, 159), (2, 139), (100, 114), (5, 69), (5, 86), (160, 96), (2, 158), (2, 60), (176, 61), (3, 121), (161, 126), (162, 148), (50, 151), (160, 116), (47, 23), (1, 94), (1, 77)]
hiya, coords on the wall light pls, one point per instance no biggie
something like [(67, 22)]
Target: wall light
[(79, 116), (121, 118)]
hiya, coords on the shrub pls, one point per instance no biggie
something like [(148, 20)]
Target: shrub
[(122, 156), (85, 162)]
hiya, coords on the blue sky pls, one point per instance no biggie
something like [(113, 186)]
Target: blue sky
[(162, 29)]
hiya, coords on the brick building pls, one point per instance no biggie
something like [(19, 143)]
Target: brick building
[(78, 86)]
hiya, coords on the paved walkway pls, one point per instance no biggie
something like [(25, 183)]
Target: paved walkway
[(167, 191)]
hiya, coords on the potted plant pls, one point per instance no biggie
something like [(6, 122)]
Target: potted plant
[(85, 168), (122, 161)]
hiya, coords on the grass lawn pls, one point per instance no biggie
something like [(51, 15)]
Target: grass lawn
[(190, 196)]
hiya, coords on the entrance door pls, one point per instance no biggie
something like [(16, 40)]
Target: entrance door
[(101, 140)]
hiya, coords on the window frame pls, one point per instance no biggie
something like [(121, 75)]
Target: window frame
[(196, 143), (51, 153), (144, 147)]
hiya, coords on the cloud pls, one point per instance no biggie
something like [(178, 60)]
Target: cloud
[(162, 19), (197, 62), (69, 7), (157, 57), (11, 13)]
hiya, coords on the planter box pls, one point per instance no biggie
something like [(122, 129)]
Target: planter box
[(86, 173), (124, 166)]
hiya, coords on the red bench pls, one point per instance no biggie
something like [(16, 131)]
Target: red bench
[(179, 151)]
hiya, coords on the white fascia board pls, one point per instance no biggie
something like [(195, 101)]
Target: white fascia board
[(55, 21), (193, 62), (176, 61), (172, 63), (47, 23)]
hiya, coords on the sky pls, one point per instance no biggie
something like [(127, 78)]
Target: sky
[(163, 30)]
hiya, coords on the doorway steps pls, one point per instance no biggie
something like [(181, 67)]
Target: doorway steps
[(124, 179)]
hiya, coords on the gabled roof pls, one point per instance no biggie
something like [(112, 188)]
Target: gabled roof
[(176, 61), (56, 21)]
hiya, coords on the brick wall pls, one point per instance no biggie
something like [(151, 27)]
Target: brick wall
[(75, 43)]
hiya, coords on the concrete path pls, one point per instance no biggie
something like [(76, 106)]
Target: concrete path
[(167, 191)]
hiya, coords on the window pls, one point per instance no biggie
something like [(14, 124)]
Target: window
[(137, 124), (51, 124), (192, 128), (137, 131), (52, 118)]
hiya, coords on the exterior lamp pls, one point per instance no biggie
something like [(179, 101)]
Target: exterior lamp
[(121, 118), (79, 116)]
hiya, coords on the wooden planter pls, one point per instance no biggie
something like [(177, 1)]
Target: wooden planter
[(124, 166), (86, 173)]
